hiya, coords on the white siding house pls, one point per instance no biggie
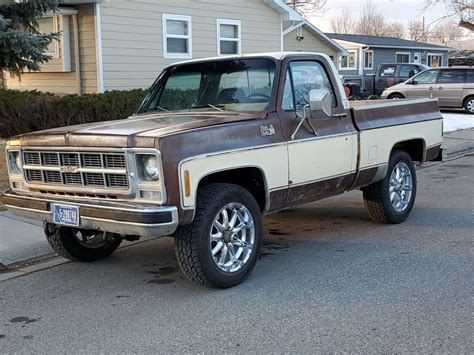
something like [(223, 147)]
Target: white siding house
[(125, 44)]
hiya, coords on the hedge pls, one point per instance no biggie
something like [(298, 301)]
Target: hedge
[(28, 111)]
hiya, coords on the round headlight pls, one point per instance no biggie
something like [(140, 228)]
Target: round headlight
[(151, 168)]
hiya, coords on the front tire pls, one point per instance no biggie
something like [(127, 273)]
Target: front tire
[(396, 97), (221, 247), (81, 245), (469, 105), (391, 200)]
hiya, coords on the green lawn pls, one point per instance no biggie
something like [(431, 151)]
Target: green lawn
[(4, 185)]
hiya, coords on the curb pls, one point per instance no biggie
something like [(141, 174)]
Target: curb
[(44, 262), (458, 153)]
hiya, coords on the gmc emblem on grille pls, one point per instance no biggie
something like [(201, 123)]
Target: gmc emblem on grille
[(69, 169)]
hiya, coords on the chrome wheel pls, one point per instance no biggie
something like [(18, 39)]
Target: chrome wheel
[(470, 105), (401, 187), (92, 239), (232, 237)]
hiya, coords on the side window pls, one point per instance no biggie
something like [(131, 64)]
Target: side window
[(407, 71), (387, 70), (427, 77), (306, 76), (451, 77), (470, 76)]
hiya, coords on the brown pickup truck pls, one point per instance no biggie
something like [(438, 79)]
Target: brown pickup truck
[(216, 144)]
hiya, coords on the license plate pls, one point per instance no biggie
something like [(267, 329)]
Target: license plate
[(66, 215)]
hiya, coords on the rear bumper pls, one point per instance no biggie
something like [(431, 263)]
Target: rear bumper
[(110, 217)]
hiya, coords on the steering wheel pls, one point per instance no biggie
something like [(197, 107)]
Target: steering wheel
[(258, 95)]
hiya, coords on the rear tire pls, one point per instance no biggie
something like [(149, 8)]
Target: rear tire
[(65, 241), (469, 105), (221, 247), (391, 200)]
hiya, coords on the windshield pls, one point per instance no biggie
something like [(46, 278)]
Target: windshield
[(230, 85)]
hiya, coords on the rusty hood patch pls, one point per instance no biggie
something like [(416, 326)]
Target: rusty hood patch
[(137, 131)]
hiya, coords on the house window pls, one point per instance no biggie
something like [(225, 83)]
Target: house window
[(435, 60), (50, 25), (228, 37), (177, 36), (402, 57), (368, 59), (349, 62)]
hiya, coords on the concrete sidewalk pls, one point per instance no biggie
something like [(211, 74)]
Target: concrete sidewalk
[(459, 143), (22, 239)]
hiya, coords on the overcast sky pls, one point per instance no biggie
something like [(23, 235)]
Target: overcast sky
[(393, 10)]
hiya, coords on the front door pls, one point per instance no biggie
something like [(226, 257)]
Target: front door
[(417, 58), (423, 85), (385, 78), (319, 165), (450, 86)]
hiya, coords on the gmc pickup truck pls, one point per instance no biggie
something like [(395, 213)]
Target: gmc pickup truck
[(216, 144)]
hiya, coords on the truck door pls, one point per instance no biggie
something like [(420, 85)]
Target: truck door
[(450, 86), (385, 78), (323, 164), (423, 85)]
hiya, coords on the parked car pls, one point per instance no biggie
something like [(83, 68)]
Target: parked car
[(386, 75), (453, 87), (216, 144)]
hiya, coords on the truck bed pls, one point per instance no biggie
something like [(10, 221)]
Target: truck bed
[(372, 114)]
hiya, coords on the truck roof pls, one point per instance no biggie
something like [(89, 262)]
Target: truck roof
[(274, 55)]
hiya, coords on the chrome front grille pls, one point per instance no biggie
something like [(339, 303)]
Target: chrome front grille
[(77, 170)]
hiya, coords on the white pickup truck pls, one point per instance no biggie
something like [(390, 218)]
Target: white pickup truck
[(216, 144)]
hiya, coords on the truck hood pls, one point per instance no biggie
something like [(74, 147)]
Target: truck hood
[(140, 131)]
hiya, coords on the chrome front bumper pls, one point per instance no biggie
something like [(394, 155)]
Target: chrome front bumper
[(106, 216)]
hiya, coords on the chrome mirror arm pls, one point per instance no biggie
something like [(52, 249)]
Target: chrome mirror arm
[(302, 119)]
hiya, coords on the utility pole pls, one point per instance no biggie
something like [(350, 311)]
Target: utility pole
[(423, 32)]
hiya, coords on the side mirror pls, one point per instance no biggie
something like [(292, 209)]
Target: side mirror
[(320, 104)]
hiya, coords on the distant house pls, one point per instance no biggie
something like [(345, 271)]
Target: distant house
[(123, 44), (367, 52)]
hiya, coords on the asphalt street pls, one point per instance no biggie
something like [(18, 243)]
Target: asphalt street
[(329, 280)]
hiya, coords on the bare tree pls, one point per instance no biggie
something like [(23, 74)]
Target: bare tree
[(372, 21), (445, 32), (416, 30), (463, 10), (395, 29), (344, 22), (308, 6)]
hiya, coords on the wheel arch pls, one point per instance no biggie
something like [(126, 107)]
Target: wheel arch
[(395, 93), (416, 148), (251, 178)]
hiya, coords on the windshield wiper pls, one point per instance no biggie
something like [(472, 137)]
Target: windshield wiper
[(215, 107), (158, 108)]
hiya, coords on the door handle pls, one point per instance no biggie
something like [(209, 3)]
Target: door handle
[(431, 88), (440, 88)]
